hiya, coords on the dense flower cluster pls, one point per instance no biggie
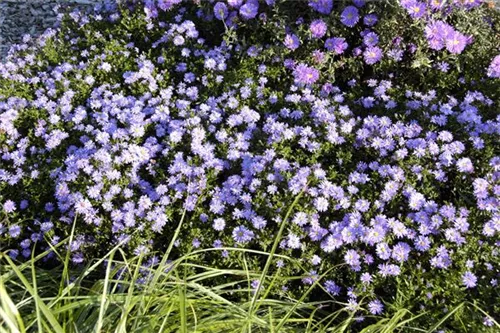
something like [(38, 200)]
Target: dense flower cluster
[(123, 138)]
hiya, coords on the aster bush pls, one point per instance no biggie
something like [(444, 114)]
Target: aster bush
[(361, 137)]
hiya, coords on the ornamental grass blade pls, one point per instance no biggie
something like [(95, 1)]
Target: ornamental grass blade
[(40, 305), (9, 314)]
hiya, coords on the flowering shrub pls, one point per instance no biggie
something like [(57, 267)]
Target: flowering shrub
[(123, 121)]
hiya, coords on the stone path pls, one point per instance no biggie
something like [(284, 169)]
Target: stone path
[(20, 17)]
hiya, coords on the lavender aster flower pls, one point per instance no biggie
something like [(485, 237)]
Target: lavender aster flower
[(443, 66), (370, 20), (304, 74), (249, 10), (416, 9), (372, 55), (242, 234), (488, 322), (352, 259), (336, 44), (235, 3), (370, 39), (219, 224), (321, 6), (14, 231), (292, 42), (366, 278), (456, 42), (349, 16), (436, 4), (220, 11), (375, 307), (494, 68), (359, 3), (167, 4), (469, 280), (9, 206), (465, 165), (332, 288), (318, 28)]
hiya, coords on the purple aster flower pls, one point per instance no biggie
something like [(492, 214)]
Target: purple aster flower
[(494, 68), (443, 66), (436, 33), (220, 11), (77, 258), (318, 56), (292, 42), (293, 241), (259, 222), (370, 39), (242, 234), (422, 243), (436, 4), (46, 226), (352, 258), (442, 259), (469, 280), (352, 305), (235, 3), (375, 307), (359, 3), (488, 322), (219, 224), (249, 10), (24, 204), (14, 231), (196, 243), (389, 270), (300, 218), (9, 206), (315, 260), (331, 243), (383, 251), (49, 207), (332, 288), (167, 4), (357, 51), (400, 252), (349, 16), (311, 278), (456, 42), (416, 200), (372, 55), (304, 74), (395, 54), (370, 20), (366, 278), (465, 165), (318, 28), (321, 204), (336, 44), (416, 9), (321, 6)]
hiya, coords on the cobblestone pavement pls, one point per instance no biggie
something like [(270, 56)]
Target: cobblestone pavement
[(20, 17)]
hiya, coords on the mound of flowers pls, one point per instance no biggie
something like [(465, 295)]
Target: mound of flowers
[(380, 120)]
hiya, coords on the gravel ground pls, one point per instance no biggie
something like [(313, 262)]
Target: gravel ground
[(20, 17)]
